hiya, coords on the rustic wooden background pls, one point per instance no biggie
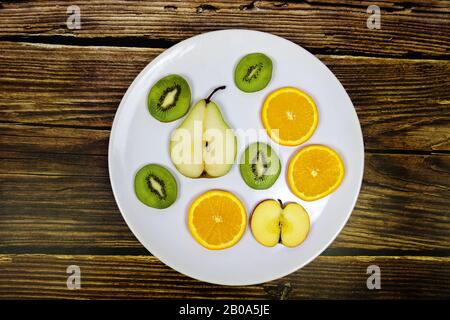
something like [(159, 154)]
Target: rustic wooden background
[(60, 89)]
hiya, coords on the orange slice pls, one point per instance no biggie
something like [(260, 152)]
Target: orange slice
[(217, 219), (289, 116), (314, 172)]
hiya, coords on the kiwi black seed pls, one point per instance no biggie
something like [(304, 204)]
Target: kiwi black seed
[(155, 186), (259, 166), (253, 72), (169, 98)]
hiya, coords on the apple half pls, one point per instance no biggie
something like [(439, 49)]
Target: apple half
[(204, 144), (273, 223)]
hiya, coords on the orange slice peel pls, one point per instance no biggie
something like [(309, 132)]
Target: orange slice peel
[(314, 172), (289, 116), (217, 219)]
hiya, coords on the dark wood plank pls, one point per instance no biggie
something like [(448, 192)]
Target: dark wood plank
[(333, 27), (66, 85), (55, 140), (402, 104), (138, 277), (49, 196), (403, 204)]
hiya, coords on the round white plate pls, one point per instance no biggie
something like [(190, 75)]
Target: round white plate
[(207, 61)]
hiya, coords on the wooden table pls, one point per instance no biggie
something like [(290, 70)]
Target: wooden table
[(60, 89)]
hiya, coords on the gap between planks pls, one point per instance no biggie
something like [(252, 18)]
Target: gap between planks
[(142, 43), (42, 275), (136, 251)]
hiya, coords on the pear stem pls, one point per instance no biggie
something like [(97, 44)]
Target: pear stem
[(281, 203), (214, 91)]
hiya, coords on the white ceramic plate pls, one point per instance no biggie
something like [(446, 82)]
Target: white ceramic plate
[(207, 61)]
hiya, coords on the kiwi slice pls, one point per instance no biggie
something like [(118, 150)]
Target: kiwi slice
[(253, 72), (260, 166), (155, 186), (169, 98)]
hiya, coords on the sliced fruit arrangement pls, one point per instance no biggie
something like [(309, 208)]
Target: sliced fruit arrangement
[(169, 98), (155, 186), (314, 172), (259, 166), (289, 116), (204, 144), (253, 72), (273, 223), (217, 219)]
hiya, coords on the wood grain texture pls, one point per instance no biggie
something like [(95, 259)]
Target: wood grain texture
[(327, 26), (60, 91), (55, 193), (141, 277), (402, 104)]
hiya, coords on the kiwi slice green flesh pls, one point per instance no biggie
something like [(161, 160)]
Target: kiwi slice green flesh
[(169, 98), (260, 166), (253, 72), (155, 186)]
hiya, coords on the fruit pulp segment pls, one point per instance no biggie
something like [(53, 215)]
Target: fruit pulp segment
[(318, 169), (219, 147), (187, 143), (170, 98), (253, 72), (292, 114), (265, 223), (203, 143), (260, 165), (155, 186), (217, 219), (271, 223), (294, 225)]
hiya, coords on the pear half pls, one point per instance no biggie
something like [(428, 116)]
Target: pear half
[(273, 223), (204, 144)]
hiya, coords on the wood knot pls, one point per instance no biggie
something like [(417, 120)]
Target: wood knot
[(280, 291), (206, 8)]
